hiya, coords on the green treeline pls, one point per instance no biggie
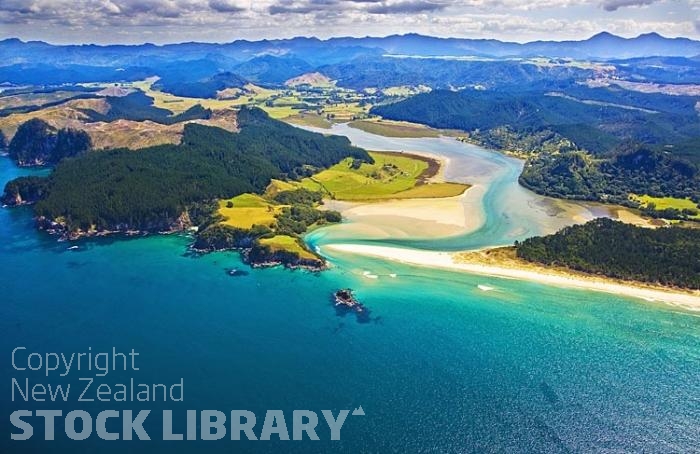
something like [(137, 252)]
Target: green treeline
[(296, 219), (302, 212), (138, 106), (667, 256), (38, 143), (149, 189)]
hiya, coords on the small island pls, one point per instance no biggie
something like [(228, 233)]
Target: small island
[(346, 302)]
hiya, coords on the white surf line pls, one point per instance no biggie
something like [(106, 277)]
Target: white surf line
[(444, 260)]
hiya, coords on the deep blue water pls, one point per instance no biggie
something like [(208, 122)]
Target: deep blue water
[(443, 367)]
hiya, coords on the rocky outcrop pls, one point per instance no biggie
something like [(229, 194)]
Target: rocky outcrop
[(221, 238), (24, 191), (260, 256)]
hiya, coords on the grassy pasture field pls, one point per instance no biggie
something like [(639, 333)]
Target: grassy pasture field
[(279, 104), (309, 119), (389, 128), (37, 99), (61, 116), (343, 112), (432, 191), (277, 186), (393, 175), (179, 104), (282, 103), (662, 203), (287, 243), (248, 210)]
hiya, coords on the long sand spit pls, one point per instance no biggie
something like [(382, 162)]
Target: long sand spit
[(474, 263)]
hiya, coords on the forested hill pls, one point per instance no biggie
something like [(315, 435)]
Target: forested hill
[(149, 189), (593, 144), (37, 143), (632, 168), (667, 256), (595, 120)]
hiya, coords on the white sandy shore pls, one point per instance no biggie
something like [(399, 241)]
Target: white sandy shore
[(445, 260)]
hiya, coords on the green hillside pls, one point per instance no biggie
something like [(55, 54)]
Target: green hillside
[(149, 189)]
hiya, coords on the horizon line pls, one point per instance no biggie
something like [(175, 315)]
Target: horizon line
[(312, 37)]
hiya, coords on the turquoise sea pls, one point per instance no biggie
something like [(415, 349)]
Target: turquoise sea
[(442, 366)]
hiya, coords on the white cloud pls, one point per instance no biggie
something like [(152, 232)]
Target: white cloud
[(225, 20), (614, 5)]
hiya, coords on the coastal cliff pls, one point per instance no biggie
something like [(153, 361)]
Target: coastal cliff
[(255, 254)]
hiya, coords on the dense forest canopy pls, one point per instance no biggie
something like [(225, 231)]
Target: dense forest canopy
[(184, 83), (594, 119), (668, 256), (138, 106), (633, 168), (583, 143), (38, 143), (149, 189)]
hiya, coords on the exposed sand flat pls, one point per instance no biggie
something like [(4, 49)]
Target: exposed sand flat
[(414, 218), (628, 217), (463, 262)]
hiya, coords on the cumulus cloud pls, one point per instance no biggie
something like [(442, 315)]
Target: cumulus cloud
[(177, 20), (406, 7), (366, 6), (614, 5), (225, 6)]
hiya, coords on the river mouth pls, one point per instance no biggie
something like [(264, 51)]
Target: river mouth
[(495, 211)]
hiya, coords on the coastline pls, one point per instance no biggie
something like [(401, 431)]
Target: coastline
[(476, 262)]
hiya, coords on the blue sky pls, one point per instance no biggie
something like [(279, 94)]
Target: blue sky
[(164, 21)]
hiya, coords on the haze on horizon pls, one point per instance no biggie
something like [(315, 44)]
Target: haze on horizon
[(170, 21)]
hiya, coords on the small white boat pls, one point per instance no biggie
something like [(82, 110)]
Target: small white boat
[(484, 288), (74, 248)]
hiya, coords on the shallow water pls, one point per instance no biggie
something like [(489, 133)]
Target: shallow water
[(510, 211), (443, 367)]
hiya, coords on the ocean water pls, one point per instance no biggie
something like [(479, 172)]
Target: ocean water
[(442, 366)]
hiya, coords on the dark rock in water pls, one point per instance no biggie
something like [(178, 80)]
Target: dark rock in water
[(549, 393), (345, 302), (192, 253), (235, 272)]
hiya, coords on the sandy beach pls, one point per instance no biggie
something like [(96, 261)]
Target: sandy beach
[(445, 217), (476, 263)]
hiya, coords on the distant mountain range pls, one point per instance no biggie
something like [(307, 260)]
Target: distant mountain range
[(335, 50), (203, 69)]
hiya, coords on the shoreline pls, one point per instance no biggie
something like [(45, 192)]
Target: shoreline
[(473, 262)]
